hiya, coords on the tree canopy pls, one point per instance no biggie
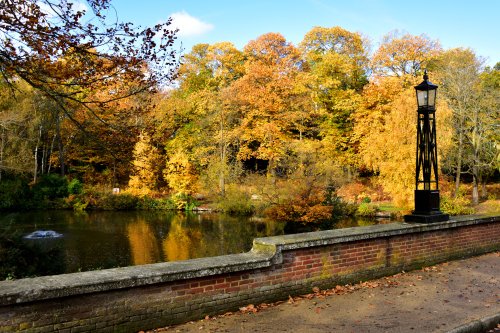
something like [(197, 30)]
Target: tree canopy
[(312, 117)]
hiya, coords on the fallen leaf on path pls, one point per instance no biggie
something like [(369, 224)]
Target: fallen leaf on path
[(249, 308), (309, 296)]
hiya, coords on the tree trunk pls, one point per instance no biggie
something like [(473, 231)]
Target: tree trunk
[(36, 163), (271, 172), (476, 146), (49, 152), (60, 146), (115, 181), (61, 154), (35, 171), (459, 162), (475, 192), (349, 173), (222, 180), (2, 144), (484, 192)]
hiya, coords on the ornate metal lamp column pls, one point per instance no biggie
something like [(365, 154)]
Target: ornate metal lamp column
[(426, 179)]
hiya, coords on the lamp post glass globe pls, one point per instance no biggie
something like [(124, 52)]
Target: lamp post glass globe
[(426, 93), (426, 98)]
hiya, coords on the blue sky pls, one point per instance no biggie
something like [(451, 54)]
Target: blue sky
[(455, 23)]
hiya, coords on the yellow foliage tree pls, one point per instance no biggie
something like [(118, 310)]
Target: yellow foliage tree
[(181, 174), (389, 147), (147, 167), (336, 63)]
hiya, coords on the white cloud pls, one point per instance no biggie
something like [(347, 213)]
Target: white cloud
[(189, 25)]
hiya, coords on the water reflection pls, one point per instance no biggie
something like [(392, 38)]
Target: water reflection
[(98, 240), (182, 241), (143, 245)]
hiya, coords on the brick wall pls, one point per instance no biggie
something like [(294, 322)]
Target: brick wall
[(141, 297)]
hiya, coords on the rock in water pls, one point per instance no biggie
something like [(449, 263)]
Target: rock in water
[(43, 234)]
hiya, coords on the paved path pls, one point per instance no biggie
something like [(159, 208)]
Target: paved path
[(434, 299)]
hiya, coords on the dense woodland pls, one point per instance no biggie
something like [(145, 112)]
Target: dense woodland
[(296, 132)]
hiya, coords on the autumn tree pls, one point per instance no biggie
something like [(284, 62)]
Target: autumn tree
[(17, 127), (402, 54), (146, 176), (474, 119), (385, 124), (490, 154), (197, 122), (76, 56), (269, 107), (336, 73)]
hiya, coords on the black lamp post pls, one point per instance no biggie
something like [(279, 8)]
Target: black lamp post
[(426, 178)]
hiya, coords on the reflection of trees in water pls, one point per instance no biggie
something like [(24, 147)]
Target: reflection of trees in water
[(208, 235), (143, 244), (183, 240), (99, 240)]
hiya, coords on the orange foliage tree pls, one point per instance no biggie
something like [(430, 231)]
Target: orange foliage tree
[(266, 100)]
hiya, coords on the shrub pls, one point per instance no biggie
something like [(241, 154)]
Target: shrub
[(50, 187), (340, 208), (75, 186), (118, 202), (14, 194), (148, 203), (366, 200), (312, 205), (456, 206), (79, 206), (366, 210), (182, 201), (236, 202)]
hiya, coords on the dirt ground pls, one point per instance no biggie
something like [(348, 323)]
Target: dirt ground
[(434, 299)]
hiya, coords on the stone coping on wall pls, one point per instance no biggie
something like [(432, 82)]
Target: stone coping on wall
[(265, 252), (327, 237)]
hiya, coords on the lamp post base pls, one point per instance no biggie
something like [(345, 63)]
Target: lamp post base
[(426, 208), (423, 218)]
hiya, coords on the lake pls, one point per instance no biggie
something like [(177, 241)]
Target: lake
[(98, 240)]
